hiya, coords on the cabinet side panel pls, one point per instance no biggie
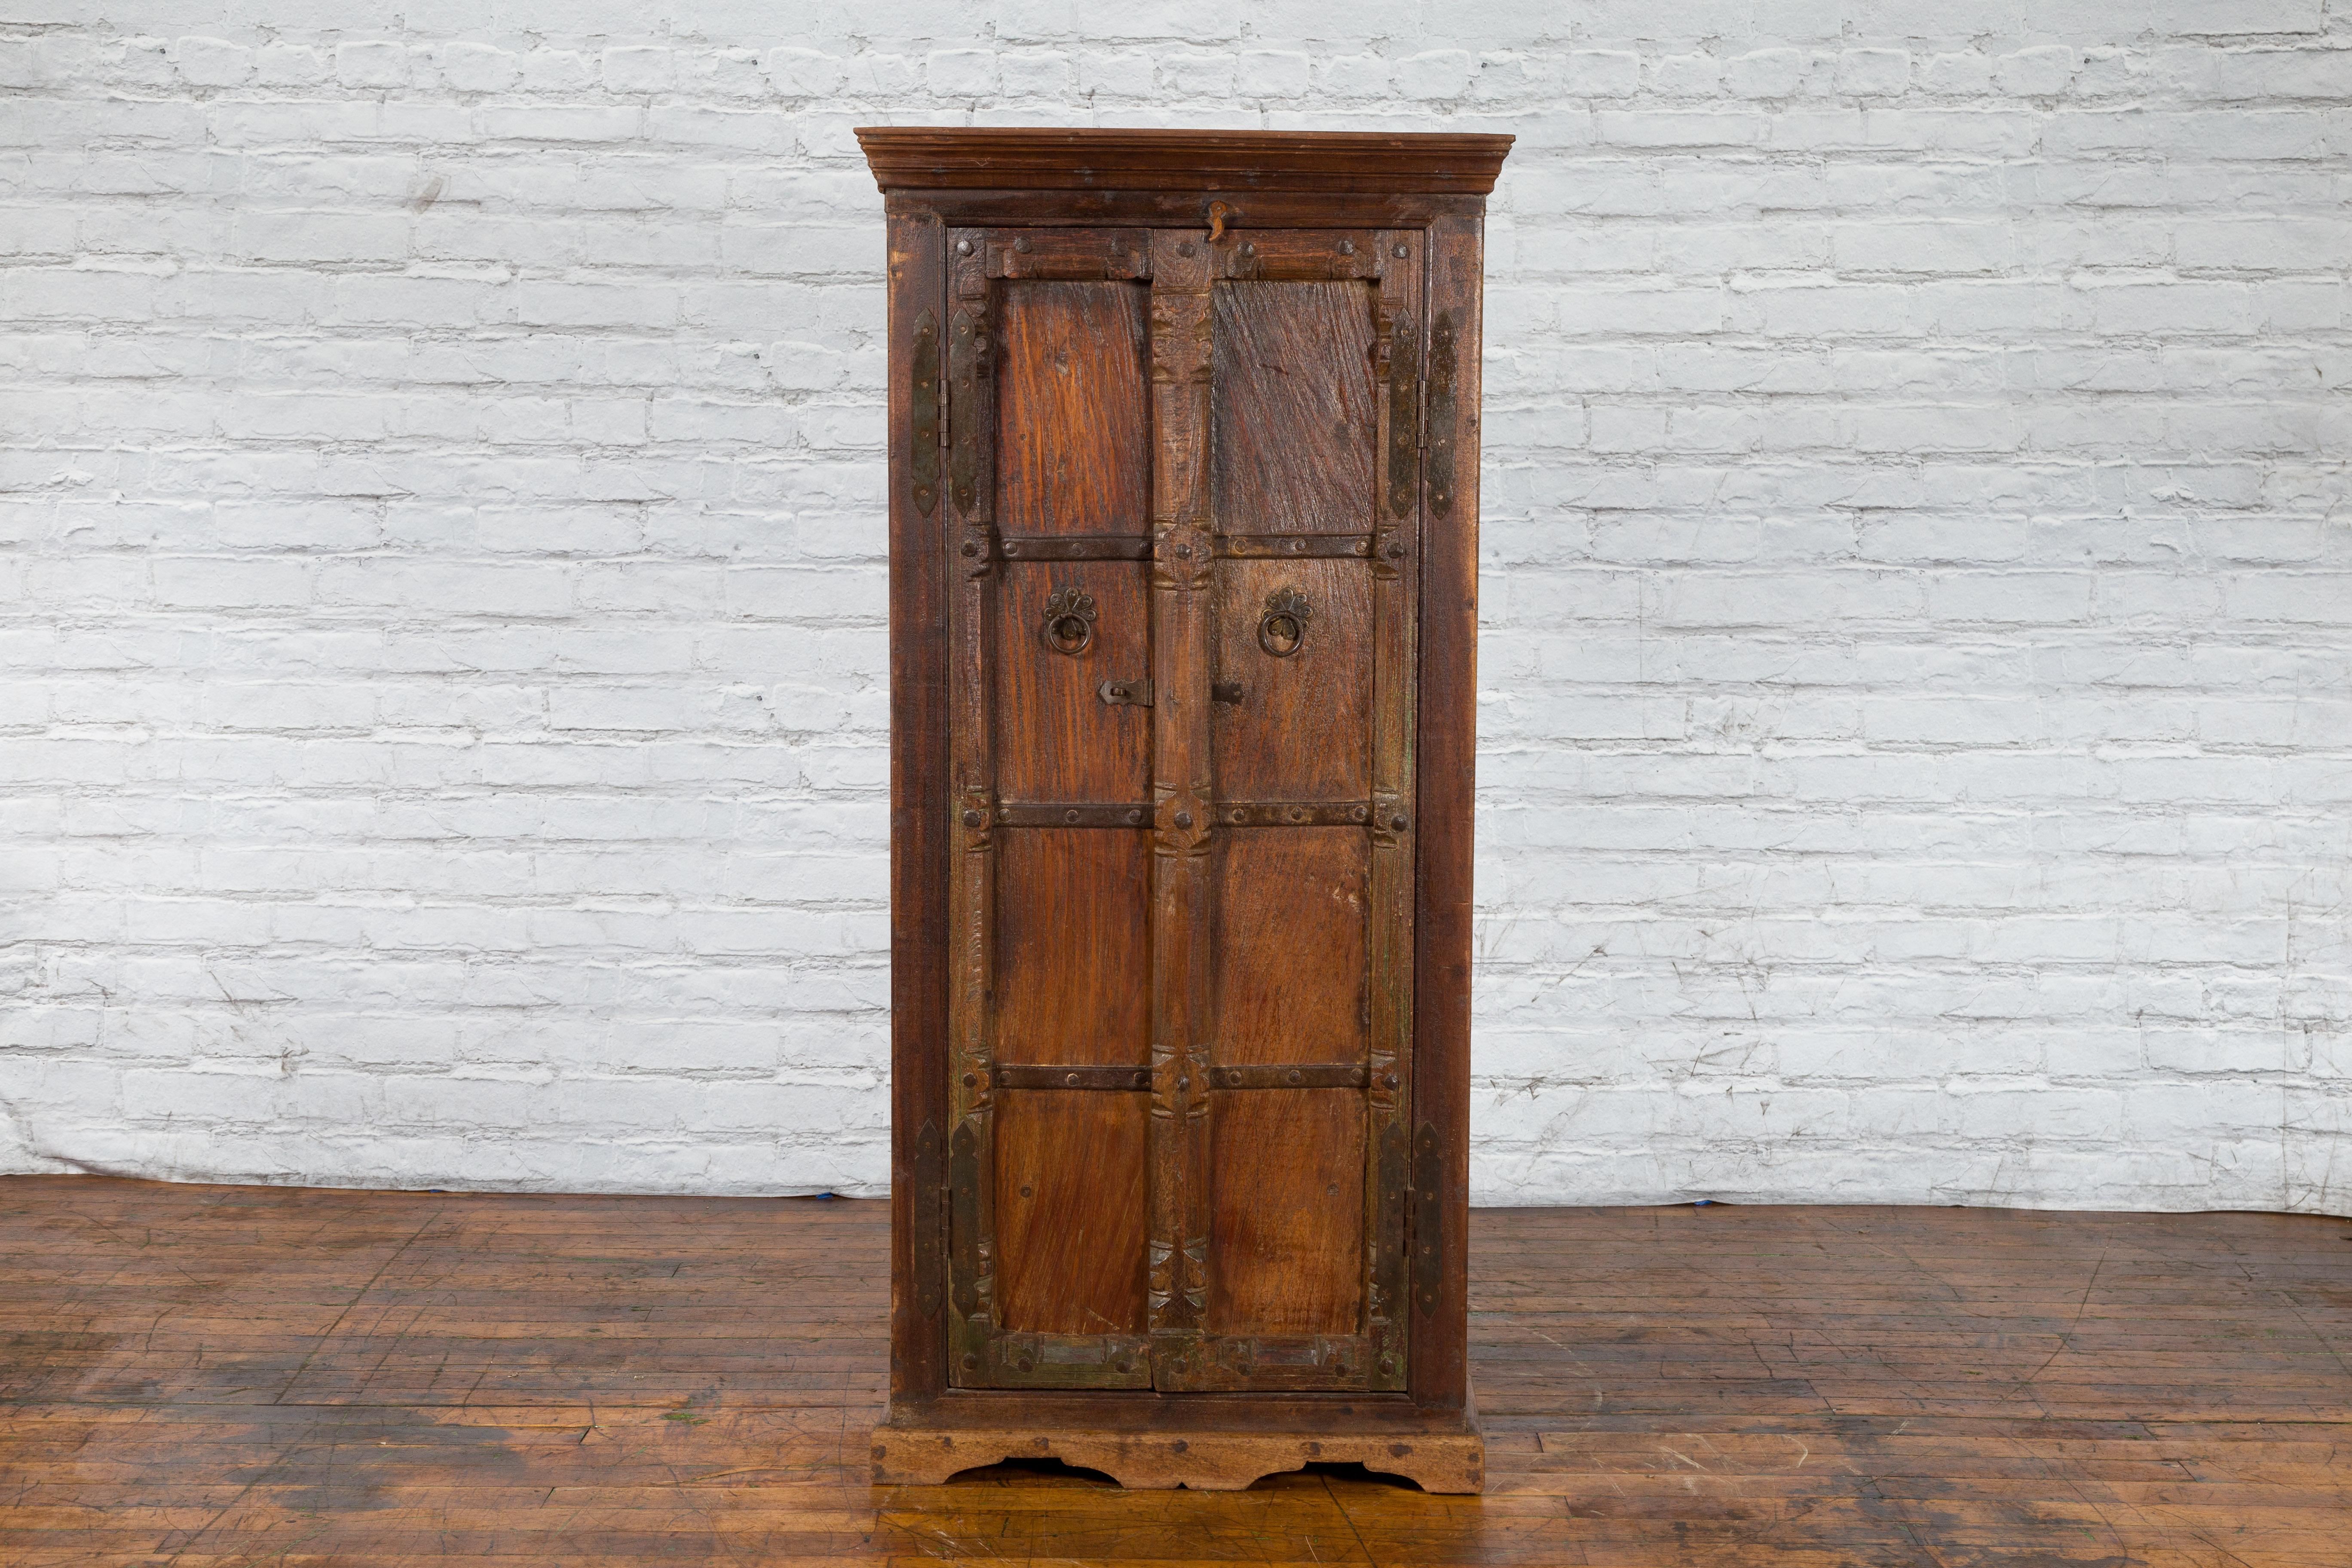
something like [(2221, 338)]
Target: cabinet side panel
[(918, 846), (1446, 744)]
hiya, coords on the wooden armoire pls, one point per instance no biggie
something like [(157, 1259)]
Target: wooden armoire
[(1183, 436)]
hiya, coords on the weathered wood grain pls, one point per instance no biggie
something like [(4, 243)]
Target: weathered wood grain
[(1290, 953), (1070, 1211), (1294, 437), (1073, 425), (218, 1375), (1072, 938), (1288, 1196)]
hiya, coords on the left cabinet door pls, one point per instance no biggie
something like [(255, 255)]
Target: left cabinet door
[(1045, 334)]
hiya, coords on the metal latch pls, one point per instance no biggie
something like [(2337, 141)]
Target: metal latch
[(1137, 693)]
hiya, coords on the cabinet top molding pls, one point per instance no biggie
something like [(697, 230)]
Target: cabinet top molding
[(946, 158)]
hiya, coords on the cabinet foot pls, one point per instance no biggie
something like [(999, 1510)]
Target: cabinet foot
[(1146, 1449)]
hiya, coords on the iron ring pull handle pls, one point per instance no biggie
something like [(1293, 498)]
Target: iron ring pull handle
[(1282, 630), (1068, 626)]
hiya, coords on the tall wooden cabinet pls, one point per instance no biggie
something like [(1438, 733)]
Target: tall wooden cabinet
[(1183, 510)]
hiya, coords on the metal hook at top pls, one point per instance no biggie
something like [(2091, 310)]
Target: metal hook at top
[(1218, 213)]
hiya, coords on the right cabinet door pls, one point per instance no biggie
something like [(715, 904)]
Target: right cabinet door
[(1287, 387)]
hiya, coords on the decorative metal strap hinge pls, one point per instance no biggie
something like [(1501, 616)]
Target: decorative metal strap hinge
[(1437, 419), (1405, 420), (931, 1224), (928, 408), (1428, 1255), (970, 362)]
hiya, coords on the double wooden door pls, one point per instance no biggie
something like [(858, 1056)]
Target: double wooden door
[(1183, 474)]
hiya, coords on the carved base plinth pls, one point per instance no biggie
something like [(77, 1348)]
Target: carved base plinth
[(1147, 1443)]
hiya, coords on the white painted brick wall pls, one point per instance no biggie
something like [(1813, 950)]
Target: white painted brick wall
[(445, 734)]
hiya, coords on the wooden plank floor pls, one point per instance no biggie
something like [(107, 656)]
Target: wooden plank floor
[(208, 1376)]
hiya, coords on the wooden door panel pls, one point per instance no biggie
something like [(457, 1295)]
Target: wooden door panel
[(1295, 725), (1296, 418), (1290, 947), (1057, 739), (1073, 410), (1182, 477), (1070, 1171), (1073, 946), (1287, 1213)]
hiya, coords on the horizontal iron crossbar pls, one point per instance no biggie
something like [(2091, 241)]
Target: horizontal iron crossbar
[(1056, 1076), (1291, 1074), (1232, 813), (1047, 814), (1294, 813), (1138, 546), (1264, 1075), (1294, 546), (1075, 547)]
